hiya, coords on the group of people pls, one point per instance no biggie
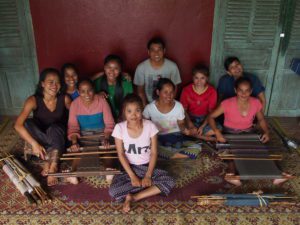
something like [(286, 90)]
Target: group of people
[(65, 109)]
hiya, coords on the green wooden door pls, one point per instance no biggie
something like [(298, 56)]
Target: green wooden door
[(18, 67), (285, 98), (250, 30)]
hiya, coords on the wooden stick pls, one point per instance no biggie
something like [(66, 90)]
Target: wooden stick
[(85, 173), (100, 135), (103, 157), (235, 177), (86, 148), (89, 153), (248, 158)]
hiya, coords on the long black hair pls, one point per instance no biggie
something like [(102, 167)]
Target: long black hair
[(63, 70), (118, 88), (39, 89)]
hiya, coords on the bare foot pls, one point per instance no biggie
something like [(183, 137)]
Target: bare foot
[(179, 156), (109, 178), (207, 138), (51, 181), (126, 205), (71, 180), (282, 180), (46, 168), (235, 182)]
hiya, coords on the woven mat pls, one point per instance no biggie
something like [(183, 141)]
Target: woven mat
[(89, 202)]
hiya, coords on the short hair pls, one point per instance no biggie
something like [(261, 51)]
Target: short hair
[(242, 80), (230, 60), (156, 40), (200, 69), (115, 58)]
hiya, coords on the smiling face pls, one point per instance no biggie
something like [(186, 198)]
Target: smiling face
[(156, 53), (243, 91), (133, 112), (112, 69), (235, 69), (51, 85), (166, 94), (86, 92), (71, 77), (200, 80)]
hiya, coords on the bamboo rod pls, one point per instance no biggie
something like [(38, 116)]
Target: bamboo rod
[(75, 158), (248, 158), (86, 148), (85, 173), (235, 177), (100, 135), (89, 153)]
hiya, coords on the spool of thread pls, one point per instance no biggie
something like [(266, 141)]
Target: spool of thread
[(19, 185)]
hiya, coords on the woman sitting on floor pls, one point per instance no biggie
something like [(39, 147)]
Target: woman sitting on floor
[(239, 113), (112, 85), (46, 131), (169, 117), (198, 99), (70, 76), (89, 114), (136, 142)]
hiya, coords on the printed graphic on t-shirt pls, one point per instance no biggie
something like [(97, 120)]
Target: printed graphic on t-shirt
[(154, 84), (166, 126), (132, 149)]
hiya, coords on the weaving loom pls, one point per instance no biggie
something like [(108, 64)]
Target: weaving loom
[(252, 159), (252, 199), (91, 160)]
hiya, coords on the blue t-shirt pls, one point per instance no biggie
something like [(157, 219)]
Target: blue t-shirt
[(74, 95), (226, 86)]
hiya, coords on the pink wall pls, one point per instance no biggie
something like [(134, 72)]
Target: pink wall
[(85, 31)]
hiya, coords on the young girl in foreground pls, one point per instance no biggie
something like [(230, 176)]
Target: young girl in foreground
[(239, 113), (168, 115), (198, 99), (136, 143)]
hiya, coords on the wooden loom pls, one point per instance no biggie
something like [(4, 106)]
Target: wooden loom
[(90, 160), (251, 199), (252, 159)]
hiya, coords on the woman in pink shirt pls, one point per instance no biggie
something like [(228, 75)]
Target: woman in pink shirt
[(239, 112), (136, 143)]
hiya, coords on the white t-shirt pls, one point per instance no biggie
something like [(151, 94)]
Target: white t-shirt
[(137, 150), (165, 122), (146, 75)]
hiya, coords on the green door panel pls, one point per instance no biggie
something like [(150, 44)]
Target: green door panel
[(285, 99), (18, 66)]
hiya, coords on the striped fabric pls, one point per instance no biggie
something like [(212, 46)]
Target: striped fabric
[(121, 184)]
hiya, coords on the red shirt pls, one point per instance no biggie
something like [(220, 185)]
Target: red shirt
[(198, 105)]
